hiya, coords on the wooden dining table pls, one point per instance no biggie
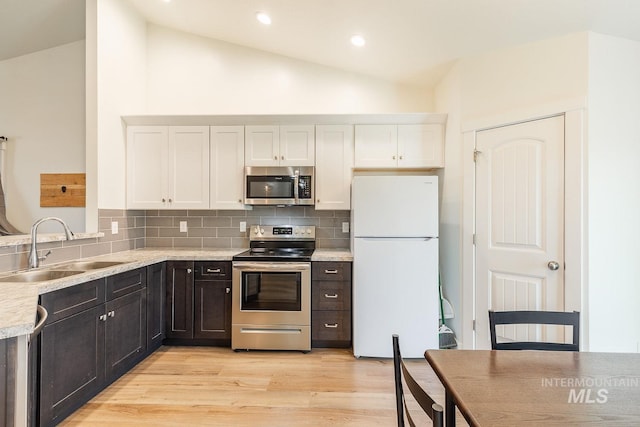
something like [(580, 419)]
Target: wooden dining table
[(514, 388)]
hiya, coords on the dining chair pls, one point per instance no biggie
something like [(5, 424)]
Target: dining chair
[(535, 318), (429, 406)]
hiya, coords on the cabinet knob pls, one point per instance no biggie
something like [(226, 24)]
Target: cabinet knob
[(188, 271), (275, 157), (111, 314), (227, 290), (239, 200), (400, 157), (318, 200), (170, 200), (102, 317), (393, 157), (282, 157), (163, 200)]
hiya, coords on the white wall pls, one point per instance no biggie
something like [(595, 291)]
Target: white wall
[(508, 84), (614, 197), (42, 113), (121, 68), (188, 74)]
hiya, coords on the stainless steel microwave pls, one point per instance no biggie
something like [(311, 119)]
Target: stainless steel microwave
[(279, 185)]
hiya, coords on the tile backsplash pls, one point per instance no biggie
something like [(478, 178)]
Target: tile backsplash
[(205, 230), (221, 229)]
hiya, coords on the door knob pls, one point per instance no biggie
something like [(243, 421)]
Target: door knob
[(553, 265)]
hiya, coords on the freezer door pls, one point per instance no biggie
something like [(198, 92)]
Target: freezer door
[(395, 206), (395, 291)]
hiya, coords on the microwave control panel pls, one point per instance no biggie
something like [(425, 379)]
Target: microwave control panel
[(304, 187)]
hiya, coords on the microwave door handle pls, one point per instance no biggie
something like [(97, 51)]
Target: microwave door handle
[(296, 183)]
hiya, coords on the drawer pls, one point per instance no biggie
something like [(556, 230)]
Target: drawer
[(325, 270), (124, 283), (327, 295), (213, 270), (330, 325), (74, 299)]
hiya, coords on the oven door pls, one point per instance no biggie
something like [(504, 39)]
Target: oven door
[(272, 293)]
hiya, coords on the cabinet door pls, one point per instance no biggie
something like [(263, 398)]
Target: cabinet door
[(334, 164), (297, 146), (125, 333), (155, 305), (72, 364), (376, 146), (147, 167), (179, 300), (420, 146), (227, 167), (212, 309), (262, 146), (189, 167)]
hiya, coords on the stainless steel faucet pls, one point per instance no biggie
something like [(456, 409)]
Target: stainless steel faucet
[(34, 259)]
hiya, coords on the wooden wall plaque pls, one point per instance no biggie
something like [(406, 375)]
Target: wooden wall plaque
[(62, 190)]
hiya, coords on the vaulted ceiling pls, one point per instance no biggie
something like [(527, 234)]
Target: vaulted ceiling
[(409, 41)]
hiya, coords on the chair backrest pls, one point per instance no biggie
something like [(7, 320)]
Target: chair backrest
[(428, 405), (535, 318)]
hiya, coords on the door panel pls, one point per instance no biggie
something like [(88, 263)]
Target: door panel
[(519, 224)]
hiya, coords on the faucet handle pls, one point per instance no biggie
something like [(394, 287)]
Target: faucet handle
[(43, 257)]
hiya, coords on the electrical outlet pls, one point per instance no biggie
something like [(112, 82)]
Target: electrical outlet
[(183, 226), (345, 227), (114, 227), (243, 226)]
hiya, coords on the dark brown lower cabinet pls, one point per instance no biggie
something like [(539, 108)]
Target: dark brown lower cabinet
[(198, 302), (8, 348), (331, 304), (156, 279), (96, 332)]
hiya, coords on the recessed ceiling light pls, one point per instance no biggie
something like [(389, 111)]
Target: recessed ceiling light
[(263, 18), (358, 41)]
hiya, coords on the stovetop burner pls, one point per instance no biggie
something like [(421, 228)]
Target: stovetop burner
[(285, 243)]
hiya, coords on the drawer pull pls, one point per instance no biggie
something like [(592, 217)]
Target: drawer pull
[(332, 325), (211, 270), (103, 317), (331, 272), (227, 290), (331, 296), (111, 314)]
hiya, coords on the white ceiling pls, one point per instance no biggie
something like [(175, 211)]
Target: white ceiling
[(410, 41)]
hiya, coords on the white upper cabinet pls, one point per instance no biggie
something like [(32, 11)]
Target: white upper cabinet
[(399, 146), (227, 167), (279, 145), (334, 163), (420, 146), (168, 167)]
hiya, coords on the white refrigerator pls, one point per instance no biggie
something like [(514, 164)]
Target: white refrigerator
[(394, 241)]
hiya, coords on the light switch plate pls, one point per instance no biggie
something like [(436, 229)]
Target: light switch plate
[(243, 226), (183, 226), (114, 227), (345, 227)]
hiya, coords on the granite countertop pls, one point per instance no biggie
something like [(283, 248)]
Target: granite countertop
[(19, 300)]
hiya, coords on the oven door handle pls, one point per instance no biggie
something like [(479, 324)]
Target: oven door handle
[(275, 266)]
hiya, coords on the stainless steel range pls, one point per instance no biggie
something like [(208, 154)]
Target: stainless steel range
[(272, 289)]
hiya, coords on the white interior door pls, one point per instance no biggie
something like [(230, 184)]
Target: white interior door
[(519, 225)]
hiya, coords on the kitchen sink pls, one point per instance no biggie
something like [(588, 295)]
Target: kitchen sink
[(39, 275), (89, 265)]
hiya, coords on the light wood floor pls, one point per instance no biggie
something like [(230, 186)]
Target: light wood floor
[(208, 386)]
